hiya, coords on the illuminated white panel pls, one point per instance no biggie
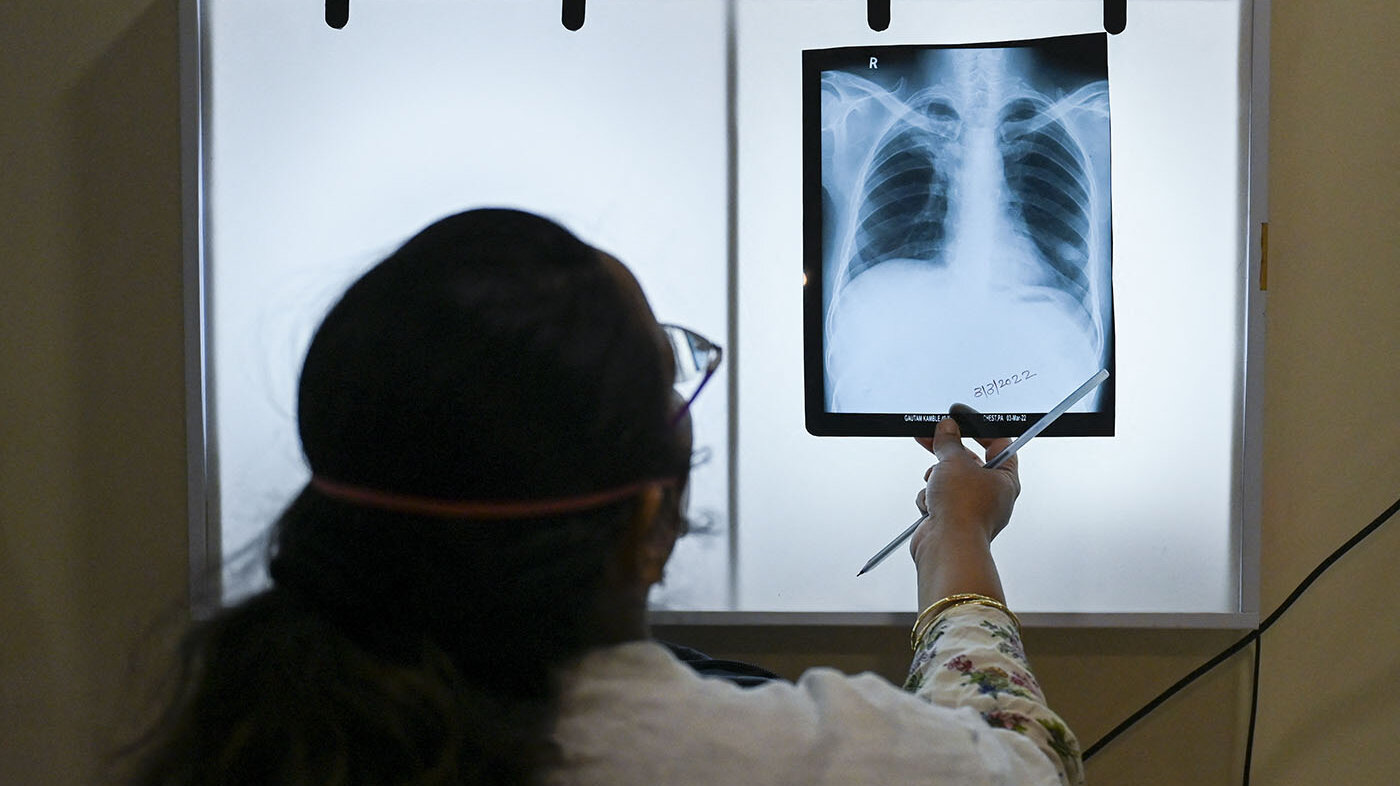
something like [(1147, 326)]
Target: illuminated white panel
[(324, 149), (327, 148), (1144, 521)]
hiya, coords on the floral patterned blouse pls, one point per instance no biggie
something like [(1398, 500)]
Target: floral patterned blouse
[(973, 657)]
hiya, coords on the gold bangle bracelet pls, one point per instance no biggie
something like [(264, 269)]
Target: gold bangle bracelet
[(917, 634), (930, 616), (1001, 607)]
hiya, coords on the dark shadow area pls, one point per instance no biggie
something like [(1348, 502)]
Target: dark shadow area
[(132, 560), (803, 646), (790, 650)]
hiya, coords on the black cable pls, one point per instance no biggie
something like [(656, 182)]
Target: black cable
[(1248, 638), (1327, 563), (1253, 708), (1169, 692)]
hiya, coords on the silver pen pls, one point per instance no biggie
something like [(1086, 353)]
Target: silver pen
[(997, 460)]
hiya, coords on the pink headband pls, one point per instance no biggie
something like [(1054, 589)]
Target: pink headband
[(499, 509)]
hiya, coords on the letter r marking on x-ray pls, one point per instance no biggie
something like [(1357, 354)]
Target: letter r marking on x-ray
[(874, 62)]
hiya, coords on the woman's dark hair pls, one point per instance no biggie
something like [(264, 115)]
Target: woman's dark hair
[(492, 357)]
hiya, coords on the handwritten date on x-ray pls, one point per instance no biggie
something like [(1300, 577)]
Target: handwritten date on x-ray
[(995, 386)]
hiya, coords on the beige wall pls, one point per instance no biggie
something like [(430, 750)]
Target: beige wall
[(92, 534)]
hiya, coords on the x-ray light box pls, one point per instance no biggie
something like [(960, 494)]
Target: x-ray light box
[(988, 201)]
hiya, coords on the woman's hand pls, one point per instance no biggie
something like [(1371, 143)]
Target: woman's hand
[(960, 492), (967, 506)]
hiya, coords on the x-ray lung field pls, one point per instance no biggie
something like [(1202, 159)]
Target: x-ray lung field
[(958, 234)]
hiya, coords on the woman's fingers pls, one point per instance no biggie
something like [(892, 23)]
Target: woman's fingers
[(993, 447), (970, 420), (947, 440)]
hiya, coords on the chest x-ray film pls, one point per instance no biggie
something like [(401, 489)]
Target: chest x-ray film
[(958, 235)]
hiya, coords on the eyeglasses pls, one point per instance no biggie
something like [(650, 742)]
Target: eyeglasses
[(697, 359)]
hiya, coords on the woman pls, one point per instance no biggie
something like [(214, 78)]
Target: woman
[(459, 594)]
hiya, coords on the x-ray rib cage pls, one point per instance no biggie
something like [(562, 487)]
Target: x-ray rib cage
[(984, 170)]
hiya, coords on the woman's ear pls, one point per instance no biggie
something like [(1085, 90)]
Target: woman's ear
[(651, 536)]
